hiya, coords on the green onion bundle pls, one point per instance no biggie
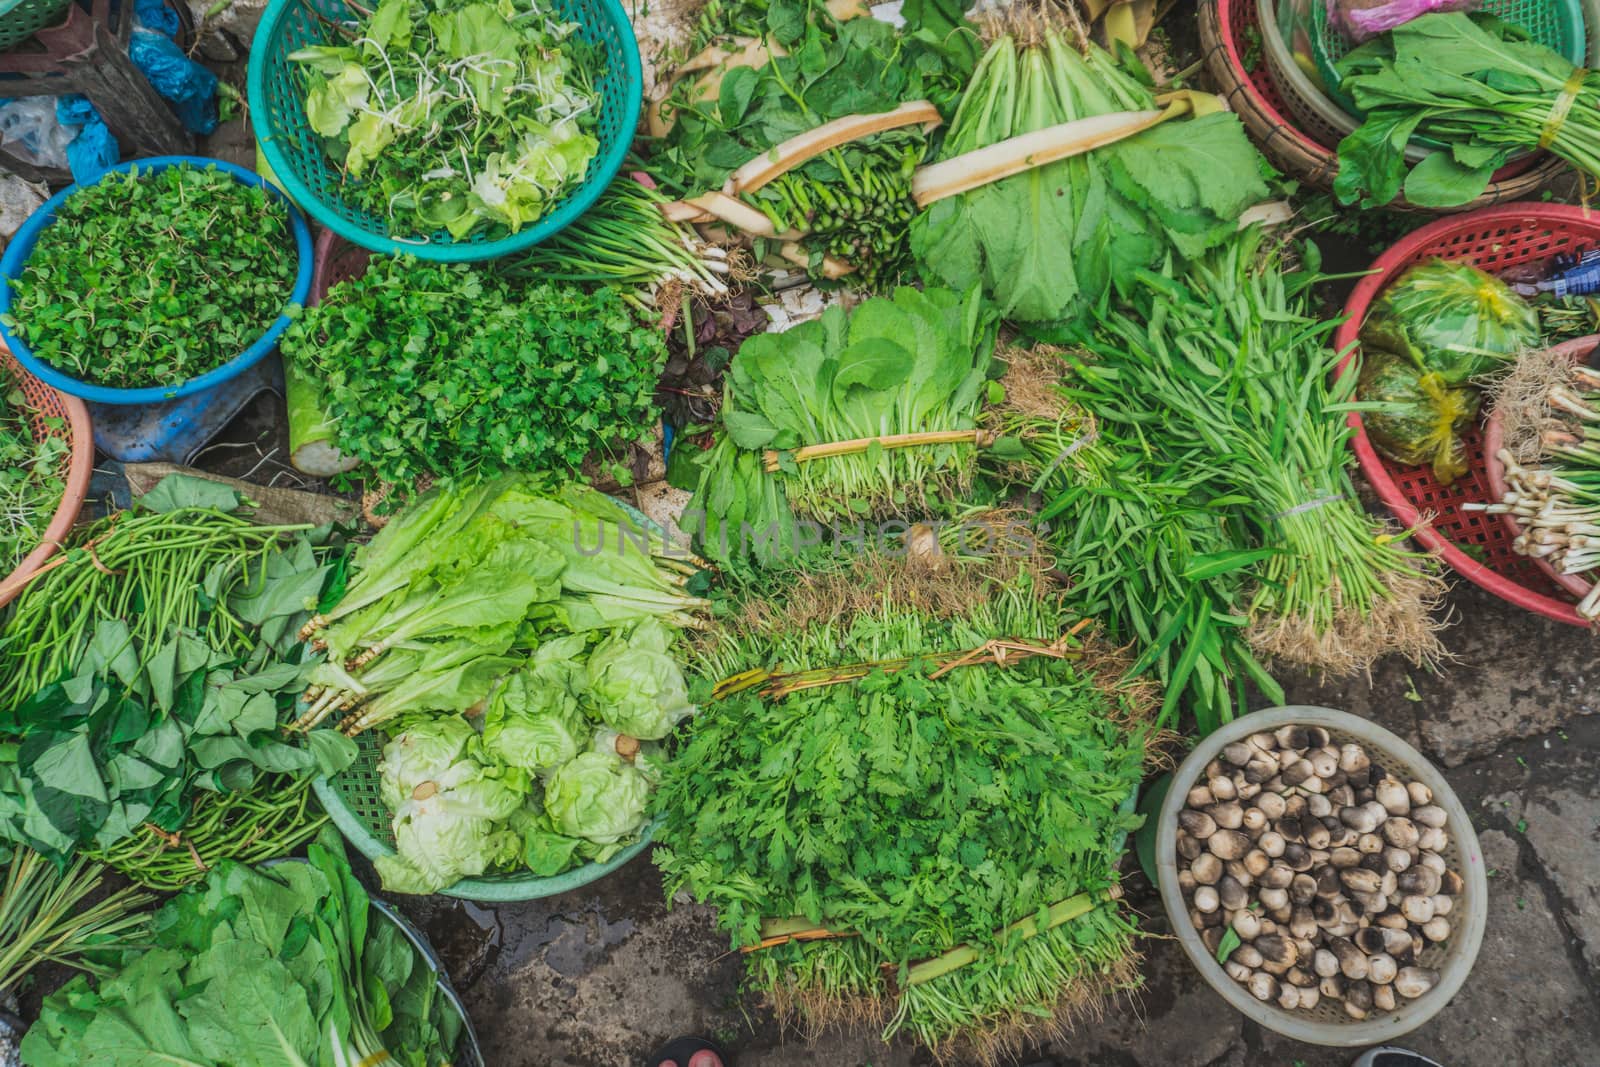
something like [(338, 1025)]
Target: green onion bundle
[(908, 809), (625, 240), (1224, 372), (1552, 469)]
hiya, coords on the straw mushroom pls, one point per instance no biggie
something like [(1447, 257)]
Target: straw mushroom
[(1197, 824), (1263, 986), (1413, 982), (1421, 795)]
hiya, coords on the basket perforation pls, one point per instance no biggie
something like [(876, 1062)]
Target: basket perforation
[(1493, 240)]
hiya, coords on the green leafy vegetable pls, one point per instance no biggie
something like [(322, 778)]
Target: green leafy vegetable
[(1478, 85), (916, 362), (288, 966), (1054, 241), (919, 809), (33, 460), (472, 118), (448, 371), (153, 278)]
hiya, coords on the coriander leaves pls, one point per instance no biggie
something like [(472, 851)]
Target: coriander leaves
[(446, 371)]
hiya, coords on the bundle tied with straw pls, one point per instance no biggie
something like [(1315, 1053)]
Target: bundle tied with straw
[(854, 417), (910, 808)]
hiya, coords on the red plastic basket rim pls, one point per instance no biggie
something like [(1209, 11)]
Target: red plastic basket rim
[(1372, 465), (1287, 125)]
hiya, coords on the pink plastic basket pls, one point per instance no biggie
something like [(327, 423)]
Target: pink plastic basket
[(1491, 239)]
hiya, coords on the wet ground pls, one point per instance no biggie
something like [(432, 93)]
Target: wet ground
[(600, 977)]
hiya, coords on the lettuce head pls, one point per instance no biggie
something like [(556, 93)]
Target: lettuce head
[(597, 797), (637, 687)]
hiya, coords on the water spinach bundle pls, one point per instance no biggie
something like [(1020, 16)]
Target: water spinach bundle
[(849, 417), (1223, 371), (1151, 548), (908, 810), (1055, 240)]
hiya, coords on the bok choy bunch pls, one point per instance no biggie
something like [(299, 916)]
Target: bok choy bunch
[(1053, 241)]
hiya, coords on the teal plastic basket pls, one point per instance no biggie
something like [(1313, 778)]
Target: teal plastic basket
[(1556, 24), (301, 165)]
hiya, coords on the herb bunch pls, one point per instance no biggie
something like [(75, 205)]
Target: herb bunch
[(31, 466), (151, 278), (916, 809), (442, 370)]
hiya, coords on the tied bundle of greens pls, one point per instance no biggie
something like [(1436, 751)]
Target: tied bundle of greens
[(292, 964), (783, 69), (898, 824), (1223, 371), (1476, 84), (31, 468), (151, 278), (446, 371), (844, 418), (1150, 548), (1055, 240), (474, 118), (168, 685)]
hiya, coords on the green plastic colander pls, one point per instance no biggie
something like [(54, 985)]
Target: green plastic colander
[(296, 155), (1556, 24)]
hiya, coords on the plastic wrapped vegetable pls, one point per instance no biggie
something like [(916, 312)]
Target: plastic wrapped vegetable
[(1451, 319), (599, 797), (450, 809), (638, 688), (1422, 417), (534, 721), (1362, 20)]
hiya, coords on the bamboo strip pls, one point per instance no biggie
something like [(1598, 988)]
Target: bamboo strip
[(799, 149), (772, 459)]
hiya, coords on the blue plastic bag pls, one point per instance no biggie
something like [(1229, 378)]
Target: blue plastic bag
[(189, 87), (156, 16), (94, 150)]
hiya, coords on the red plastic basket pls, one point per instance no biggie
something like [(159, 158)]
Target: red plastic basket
[(1226, 31), (1491, 239), (48, 403)]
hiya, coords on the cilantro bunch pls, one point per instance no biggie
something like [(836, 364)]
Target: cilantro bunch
[(446, 371), (151, 278), (31, 466)]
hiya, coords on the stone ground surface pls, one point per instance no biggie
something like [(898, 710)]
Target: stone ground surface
[(599, 977)]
